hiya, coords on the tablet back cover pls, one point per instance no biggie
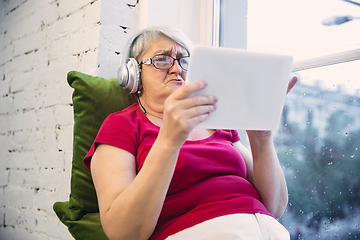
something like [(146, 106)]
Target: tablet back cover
[(250, 86)]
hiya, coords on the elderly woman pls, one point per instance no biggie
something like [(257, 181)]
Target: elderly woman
[(159, 177)]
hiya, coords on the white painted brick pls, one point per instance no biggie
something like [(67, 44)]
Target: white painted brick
[(4, 180), (43, 224), (110, 14), (3, 123), (55, 76), (21, 159), (37, 136), (22, 63), (13, 4), (50, 12), (112, 38), (30, 7), (51, 96), (49, 178), (28, 178), (16, 16), (56, 72), (22, 120), (88, 62), (65, 93), (57, 94), (7, 22), (64, 115), (63, 187), (26, 100), (7, 233), (24, 141), (59, 231), (12, 216), (48, 141), (64, 137), (10, 233), (6, 105), (29, 43), (2, 213), (16, 177), (58, 49), (69, 6), (27, 218), (21, 218), (84, 41), (5, 143), (68, 155), (63, 191), (2, 200), (4, 90), (64, 26), (6, 53), (45, 199), (31, 178), (42, 57), (92, 14), (46, 117), (28, 25), (20, 28), (2, 7), (50, 158), (21, 80), (18, 197)]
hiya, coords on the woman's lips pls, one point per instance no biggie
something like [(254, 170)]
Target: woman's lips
[(176, 80)]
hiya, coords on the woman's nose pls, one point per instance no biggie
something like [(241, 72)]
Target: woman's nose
[(175, 67)]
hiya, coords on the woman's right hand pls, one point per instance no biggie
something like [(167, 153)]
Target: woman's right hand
[(182, 113)]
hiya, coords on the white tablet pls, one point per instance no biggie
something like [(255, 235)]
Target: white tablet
[(250, 86)]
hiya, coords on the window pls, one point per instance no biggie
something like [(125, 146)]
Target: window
[(318, 141), (194, 18)]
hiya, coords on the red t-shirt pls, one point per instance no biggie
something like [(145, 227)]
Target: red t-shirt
[(209, 179)]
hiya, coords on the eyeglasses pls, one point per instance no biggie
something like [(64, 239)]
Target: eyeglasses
[(165, 62)]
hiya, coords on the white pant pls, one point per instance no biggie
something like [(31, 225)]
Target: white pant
[(235, 226)]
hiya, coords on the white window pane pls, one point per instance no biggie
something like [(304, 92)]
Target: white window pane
[(295, 27), (318, 143)]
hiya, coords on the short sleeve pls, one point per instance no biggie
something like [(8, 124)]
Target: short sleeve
[(117, 130), (235, 136)]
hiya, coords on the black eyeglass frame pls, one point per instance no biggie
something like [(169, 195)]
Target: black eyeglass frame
[(149, 61)]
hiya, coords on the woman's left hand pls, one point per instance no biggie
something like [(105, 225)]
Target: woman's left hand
[(292, 83)]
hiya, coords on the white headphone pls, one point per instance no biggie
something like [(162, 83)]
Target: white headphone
[(128, 74)]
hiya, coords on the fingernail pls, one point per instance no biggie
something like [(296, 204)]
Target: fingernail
[(203, 83)]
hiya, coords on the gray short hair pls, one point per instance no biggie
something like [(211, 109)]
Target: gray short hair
[(141, 42)]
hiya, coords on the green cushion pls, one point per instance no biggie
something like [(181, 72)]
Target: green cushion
[(94, 98)]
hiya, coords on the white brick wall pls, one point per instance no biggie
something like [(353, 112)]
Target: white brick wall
[(119, 21), (40, 41)]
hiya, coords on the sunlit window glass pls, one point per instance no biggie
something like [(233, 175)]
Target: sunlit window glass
[(318, 141)]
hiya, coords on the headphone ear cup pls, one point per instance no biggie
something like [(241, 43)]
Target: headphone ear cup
[(129, 75), (134, 74)]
